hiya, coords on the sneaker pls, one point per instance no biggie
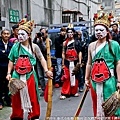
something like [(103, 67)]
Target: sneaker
[(57, 85), (42, 94), (77, 95), (62, 97), (81, 90)]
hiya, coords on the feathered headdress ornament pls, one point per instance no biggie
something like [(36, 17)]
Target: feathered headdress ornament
[(102, 18)]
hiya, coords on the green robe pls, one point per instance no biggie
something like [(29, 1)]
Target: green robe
[(110, 85), (16, 50)]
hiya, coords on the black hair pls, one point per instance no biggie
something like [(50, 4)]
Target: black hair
[(45, 30), (108, 37), (14, 27), (70, 29)]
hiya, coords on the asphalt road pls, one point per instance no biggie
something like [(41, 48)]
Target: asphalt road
[(61, 110)]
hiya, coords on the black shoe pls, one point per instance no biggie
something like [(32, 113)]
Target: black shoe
[(42, 94)]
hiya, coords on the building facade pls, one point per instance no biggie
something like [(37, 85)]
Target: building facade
[(11, 11), (46, 12)]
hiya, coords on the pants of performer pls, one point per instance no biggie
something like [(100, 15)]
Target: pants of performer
[(67, 89), (17, 111), (4, 90)]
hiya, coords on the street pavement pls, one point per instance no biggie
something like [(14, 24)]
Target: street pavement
[(62, 109)]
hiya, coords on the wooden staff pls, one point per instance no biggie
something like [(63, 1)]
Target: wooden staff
[(49, 104), (80, 104)]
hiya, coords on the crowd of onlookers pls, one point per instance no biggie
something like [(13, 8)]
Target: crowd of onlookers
[(7, 40)]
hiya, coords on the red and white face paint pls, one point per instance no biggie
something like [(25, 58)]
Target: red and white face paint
[(70, 34), (100, 32), (22, 35)]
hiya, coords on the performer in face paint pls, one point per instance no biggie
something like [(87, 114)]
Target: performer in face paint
[(71, 56), (103, 58), (25, 103)]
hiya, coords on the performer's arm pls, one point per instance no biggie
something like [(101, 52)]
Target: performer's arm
[(43, 61), (10, 67), (88, 67), (118, 73)]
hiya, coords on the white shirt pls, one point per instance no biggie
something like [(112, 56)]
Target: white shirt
[(5, 44)]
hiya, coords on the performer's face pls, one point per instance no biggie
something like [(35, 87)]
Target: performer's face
[(22, 35), (70, 34), (100, 32)]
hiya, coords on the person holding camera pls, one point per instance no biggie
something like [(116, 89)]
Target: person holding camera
[(40, 72)]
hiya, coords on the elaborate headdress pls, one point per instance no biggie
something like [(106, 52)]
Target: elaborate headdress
[(26, 25), (102, 18), (70, 27)]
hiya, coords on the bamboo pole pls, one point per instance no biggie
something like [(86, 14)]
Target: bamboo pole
[(80, 104), (49, 104)]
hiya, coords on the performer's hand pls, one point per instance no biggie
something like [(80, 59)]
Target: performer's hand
[(49, 74), (118, 85), (87, 83), (8, 77)]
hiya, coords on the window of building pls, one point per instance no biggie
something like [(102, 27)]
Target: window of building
[(107, 2), (65, 18), (99, 1)]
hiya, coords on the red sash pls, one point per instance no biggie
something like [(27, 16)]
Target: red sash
[(100, 71), (23, 65)]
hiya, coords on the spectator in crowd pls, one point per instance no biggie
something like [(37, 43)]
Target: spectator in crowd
[(25, 103), (115, 33), (14, 31), (40, 72), (58, 54), (84, 48), (5, 47)]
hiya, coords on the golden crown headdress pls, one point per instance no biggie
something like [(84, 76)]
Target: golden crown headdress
[(70, 25), (26, 25), (103, 19)]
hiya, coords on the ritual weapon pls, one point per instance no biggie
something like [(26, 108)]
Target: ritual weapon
[(80, 104), (49, 84)]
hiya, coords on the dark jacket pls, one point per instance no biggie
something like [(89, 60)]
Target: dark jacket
[(41, 46), (58, 46), (115, 36), (4, 53)]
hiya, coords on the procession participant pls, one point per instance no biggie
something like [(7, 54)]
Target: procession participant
[(103, 57), (70, 57), (25, 103)]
